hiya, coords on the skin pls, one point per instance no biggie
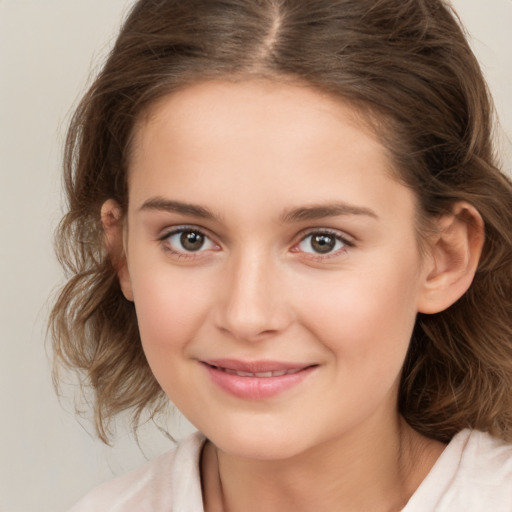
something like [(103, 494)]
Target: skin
[(247, 154)]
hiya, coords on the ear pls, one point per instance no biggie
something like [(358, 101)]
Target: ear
[(453, 258), (111, 218)]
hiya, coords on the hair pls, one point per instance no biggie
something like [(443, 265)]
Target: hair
[(405, 64)]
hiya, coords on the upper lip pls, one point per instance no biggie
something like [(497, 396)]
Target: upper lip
[(255, 366)]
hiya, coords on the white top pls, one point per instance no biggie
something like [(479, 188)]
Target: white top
[(473, 474)]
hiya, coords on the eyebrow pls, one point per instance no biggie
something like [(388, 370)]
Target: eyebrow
[(316, 212), (167, 205), (304, 213)]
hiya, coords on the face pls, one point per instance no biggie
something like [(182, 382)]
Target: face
[(273, 263)]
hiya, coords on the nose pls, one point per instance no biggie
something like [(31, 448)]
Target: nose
[(253, 305)]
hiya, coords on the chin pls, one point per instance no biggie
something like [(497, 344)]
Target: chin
[(258, 443), (259, 449)]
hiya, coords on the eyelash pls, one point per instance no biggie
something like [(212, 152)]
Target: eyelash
[(184, 254), (180, 230), (337, 236)]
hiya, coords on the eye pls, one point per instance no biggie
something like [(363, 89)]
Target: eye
[(322, 242), (187, 240)]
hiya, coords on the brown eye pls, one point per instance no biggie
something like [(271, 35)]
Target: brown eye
[(192, 240), (322, 242), (185, 240)]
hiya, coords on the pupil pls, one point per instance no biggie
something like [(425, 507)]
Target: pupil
[(323, 243), (192, 241)]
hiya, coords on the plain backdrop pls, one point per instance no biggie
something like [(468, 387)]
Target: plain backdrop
[(49, 50)]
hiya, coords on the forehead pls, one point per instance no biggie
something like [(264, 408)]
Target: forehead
[(212, 107), (259, 144)]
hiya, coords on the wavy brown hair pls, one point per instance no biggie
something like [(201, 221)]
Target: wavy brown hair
[(406, 65)]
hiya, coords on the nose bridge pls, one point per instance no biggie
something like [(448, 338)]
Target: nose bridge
[(253, 304)]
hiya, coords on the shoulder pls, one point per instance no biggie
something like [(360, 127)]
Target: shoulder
[(474, 473), (170, 482), (483, 480), (485, 462)]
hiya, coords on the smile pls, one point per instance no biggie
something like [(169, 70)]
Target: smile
[(256, 380), (264, 375)]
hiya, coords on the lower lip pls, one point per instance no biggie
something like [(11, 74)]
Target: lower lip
[(256, 388)]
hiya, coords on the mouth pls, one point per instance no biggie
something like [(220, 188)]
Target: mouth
[(256, 380), (259, 375)]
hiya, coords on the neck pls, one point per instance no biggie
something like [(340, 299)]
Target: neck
[(375, 470)]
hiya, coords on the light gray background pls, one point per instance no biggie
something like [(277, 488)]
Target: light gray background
[(48, 51)]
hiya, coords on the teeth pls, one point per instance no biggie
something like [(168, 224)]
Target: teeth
[(244, 374), (264, 374), (278, 373)]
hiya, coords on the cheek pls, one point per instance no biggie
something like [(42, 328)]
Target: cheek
[(170, 309), (169, 313), (367, 318)]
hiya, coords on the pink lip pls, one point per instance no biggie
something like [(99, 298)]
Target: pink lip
[(256, 387)]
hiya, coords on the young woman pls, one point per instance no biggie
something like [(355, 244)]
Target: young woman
[(286, 217)]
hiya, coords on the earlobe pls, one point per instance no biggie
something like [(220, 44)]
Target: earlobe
[(111, 218), (453, 259)]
